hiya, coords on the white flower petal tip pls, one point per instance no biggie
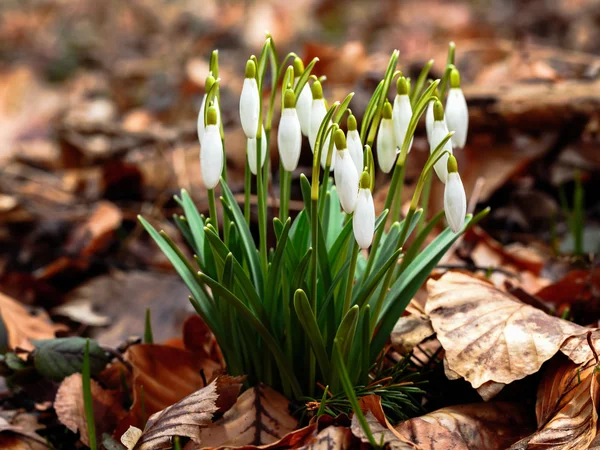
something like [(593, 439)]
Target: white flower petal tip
[(346, 176), (429, 120), (325, 152), (303, 106), (249, 104), (363, 221), (355, 149), (457, 117), (386, 140), (251, 152), (317, 114), (211, 156), (455, 200), (438, 133), (401, 115), (289, 139)]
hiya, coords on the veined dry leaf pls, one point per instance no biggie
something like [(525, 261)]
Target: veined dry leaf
[(488, 426), (71, 412), (18, 432), (409, 332), (578, 349), (260, 416), (380, 432), (487, 334), (22, 327), (566, 408), (185, 418)]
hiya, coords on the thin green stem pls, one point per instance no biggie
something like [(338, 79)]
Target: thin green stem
[(212, 209), (425, 201), (262, 207), (396, 211), (247, 188), (285, 179), (350, 280)]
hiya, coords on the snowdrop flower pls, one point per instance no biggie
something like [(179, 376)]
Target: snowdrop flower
[(455, 200), (289, 136), (355, 147), (325, 150), (211, 151), (317, 113), (210, 80), (402, 112), (250, 102), (346, 176), (438, 133), (251, 151), (457, 114), (386, 141), (304, 103), (363, 221)]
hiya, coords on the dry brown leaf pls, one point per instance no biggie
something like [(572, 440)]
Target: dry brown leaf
[(71, 412), (409, 332), (577, 348), (380, 432), (260, 416), (488, 426), (566, 408), (487, 334), (185, 418), (22, 327), (18, 432)]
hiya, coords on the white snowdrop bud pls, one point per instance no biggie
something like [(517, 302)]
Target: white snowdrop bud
[(402, 113), (250, 102), (325, 151), (457, 113), (363, 221), (304, 103), (211, 151), (210, 81), (251, 151), (345, 174), (386, 141), (455, 200), (317, 113), (289, 136), (429, 120), (354, 144), (438, 133)]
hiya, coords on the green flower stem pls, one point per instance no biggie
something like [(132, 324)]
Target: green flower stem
[(285, 186), (350, 280), (212, 209), (262, 206), (396, 210), (247, 188), (226, 221), (425, 202)]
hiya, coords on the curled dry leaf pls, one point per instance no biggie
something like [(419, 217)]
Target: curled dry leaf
[(409, 332), (487, 334), (566, 408), (22, 327), (380, 432), (70, 409), (488, 426), (18, 432), (260, 416)]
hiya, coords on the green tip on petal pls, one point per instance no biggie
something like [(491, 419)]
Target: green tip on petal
[(352, 125), (454, 78), (211, 116), (452, 164), (340, 140), (365, 180), (402, 86), (289, 99), (438, 111), (317, 90), (387, 110), (298, 66), (250, 69), (208, 84)]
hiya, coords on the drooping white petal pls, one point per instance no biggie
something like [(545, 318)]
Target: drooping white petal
[(303, 106), (355, 148), (317, 114), (200, 125), (455, 202), (401, 115), (386, 145), (289, 139), (457, 117), (363, 221), (211, 156), (438, 133), (429, 120), (325, 151), (251, 151), (346, 180), (249, 107)]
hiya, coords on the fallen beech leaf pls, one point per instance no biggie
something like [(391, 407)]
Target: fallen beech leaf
[(566, 408), (488, 426), (18, 432), (409, 332), (165, 375), (71, 412), (185, 418), (578, 349), (577, 286), (487, 334), (380, 433), (260, 416), (22, 327)]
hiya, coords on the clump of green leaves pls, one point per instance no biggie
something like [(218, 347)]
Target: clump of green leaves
[(314, 310)]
